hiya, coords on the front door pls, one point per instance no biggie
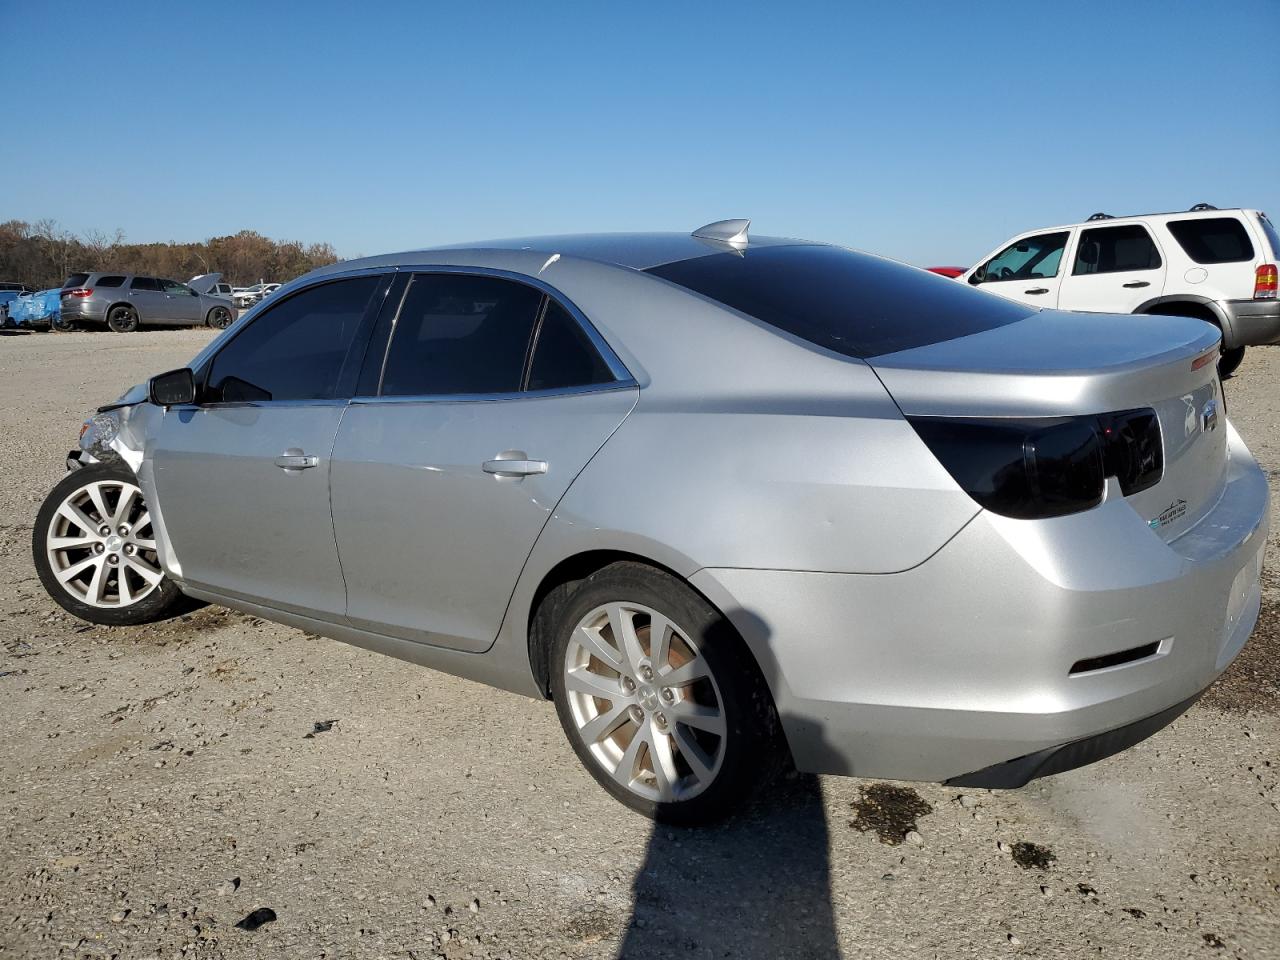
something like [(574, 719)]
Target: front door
[(148, 299), (182, 303), (491, 401), (1028, 270), (1113, 270), (242, 477)]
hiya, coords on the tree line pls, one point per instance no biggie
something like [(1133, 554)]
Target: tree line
[(42, 255)]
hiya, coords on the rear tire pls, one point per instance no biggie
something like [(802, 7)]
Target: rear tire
[(1229, 360), (106, 578), (122, 319), (681, 727), (60, 325)]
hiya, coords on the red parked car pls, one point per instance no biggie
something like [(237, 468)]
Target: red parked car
[(951, 272)]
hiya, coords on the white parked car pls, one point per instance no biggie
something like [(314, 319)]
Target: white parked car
[(1217, 265), (248, 296)]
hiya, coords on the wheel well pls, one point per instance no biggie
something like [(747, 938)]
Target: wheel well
[(1185, 308), (119, 303), (557, 585)]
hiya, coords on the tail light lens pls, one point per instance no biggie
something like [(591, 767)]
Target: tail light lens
[(1036, 468), (1264, 284), (78, 292)]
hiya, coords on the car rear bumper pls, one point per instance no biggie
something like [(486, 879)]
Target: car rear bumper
[(1254, 322), (73, 310), (980, 657)]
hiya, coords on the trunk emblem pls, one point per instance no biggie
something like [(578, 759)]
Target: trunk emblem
[(1209, 416)]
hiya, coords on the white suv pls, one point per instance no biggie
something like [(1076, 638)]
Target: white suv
[(1218, 265)]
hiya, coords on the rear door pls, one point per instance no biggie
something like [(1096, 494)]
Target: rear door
[(493, 397), (242, 478), (1028, 270), (1114, 269), (148, 299)]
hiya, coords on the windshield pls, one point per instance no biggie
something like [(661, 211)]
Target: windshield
[(852, 303)]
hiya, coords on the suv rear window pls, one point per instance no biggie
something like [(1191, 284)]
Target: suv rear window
[(851, 303), (1273, 237), (1213, 239), (110, 282), (75, 280)]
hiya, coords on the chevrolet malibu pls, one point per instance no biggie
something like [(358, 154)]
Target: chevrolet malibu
[(730, 502)]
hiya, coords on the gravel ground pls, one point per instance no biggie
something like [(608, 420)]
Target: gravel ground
[(159, 786)]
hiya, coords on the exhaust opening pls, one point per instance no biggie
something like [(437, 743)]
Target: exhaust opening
[(1131, 655)]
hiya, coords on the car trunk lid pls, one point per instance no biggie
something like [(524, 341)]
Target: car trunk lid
[(1057, 364)]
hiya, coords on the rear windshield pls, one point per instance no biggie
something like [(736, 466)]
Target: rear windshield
[(75, 280), (1273, 238), (854, 304), (1213, 239)]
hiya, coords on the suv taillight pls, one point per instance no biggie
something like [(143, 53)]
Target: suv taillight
[(78, 292), (1264, 284), (1033, 469)]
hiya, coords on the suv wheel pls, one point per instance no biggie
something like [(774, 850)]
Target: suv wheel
[(658, 696), (95, 551), (1229, 360), (122, 319), (219, 318)]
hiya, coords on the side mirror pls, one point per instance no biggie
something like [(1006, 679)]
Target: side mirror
[(978, 276), (174, 387)]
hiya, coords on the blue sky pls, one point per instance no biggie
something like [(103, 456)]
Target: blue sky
[(927, 132)]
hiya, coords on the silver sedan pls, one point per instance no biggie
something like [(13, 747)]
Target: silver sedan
[(731, 502)]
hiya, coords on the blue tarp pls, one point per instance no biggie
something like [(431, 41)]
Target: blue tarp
[(39, 307)]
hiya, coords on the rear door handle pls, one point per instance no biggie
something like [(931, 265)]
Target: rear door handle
[(514, 463), (1036, 291), (1136, 284), (296, 460)]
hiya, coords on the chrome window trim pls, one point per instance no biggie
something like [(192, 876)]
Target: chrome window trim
[(616, 385)]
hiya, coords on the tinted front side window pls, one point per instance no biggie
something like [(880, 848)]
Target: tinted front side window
[(459, 334), (563, 356), (145, 283), (852, 303), (1115, 250), (109, 282), (1028, 259), (1213, 240), (295, 350), (175, 288)]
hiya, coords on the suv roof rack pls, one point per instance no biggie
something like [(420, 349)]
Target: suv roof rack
[(1100, 216), (1202, 206)]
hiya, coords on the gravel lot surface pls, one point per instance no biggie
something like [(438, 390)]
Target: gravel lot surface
[(159, 787)]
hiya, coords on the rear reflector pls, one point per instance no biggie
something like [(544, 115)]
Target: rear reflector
[(1116, 659), (1264, 284), (1205, 358)]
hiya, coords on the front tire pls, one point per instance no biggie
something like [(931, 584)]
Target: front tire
[(658, 695), (219, 318), (1229, 361), (95, 551), (122, 319)]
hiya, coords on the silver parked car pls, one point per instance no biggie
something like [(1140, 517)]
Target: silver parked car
[(725, 500), (125, 302)]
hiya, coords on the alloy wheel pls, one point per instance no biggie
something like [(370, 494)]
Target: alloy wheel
[(644, 702), (101, 545), (220, 318)]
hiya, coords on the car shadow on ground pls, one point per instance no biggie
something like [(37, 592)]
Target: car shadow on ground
[(756, 886)]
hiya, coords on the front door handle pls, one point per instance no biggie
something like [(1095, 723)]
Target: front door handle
[(1136, 284), (296, 460), (1036, 291), (514, 463)]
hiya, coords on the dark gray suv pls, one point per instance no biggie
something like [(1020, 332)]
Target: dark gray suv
[(125, 302)]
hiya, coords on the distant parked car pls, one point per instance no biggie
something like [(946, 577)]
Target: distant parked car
[(1216, 265), (5, 297), (952, 272), (18, 287), (212, 284), (248, 296), (125, 302), (36, 311)]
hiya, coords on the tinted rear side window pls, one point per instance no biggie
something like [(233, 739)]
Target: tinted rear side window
[(1213, 240), (75, 280), (1115, 250), (851, 303), (563, 355), (145, 283), (459, 334), (109, 282)]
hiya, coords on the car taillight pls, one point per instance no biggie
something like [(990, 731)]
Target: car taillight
[(78, 292), (1036, 468), (1264, 283)]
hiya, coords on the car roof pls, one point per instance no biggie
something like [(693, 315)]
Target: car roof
[(1106, 220), (638, 251)]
